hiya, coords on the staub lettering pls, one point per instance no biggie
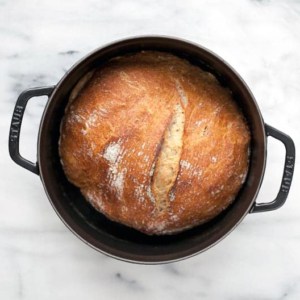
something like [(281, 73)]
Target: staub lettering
[(15, 124), (288, 174)]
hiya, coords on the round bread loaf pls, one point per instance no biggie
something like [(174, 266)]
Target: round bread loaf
[(154, 142)]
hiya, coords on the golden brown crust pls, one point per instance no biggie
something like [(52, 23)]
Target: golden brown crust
[(113, 133)]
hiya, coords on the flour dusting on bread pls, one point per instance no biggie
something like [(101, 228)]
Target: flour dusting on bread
[(112, 152)]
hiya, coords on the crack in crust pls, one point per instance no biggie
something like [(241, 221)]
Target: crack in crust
[(168, 159)]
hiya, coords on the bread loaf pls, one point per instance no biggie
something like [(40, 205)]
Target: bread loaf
[(154, 142)]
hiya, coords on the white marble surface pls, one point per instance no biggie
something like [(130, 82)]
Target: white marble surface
[(39, 257)]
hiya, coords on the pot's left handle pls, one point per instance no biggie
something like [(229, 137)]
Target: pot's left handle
[(15, 127)]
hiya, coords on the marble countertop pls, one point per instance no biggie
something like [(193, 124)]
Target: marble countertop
[(39, 257)]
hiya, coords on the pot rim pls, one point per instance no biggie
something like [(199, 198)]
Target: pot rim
[(168, 257)]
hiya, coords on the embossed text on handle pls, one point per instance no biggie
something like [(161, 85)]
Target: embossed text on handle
[(15, 124), (288, 174)]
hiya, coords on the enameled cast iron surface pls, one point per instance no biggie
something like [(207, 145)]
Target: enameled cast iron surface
[(120, 241)]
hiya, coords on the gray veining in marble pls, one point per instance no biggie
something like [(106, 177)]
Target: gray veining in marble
[(39, 42)]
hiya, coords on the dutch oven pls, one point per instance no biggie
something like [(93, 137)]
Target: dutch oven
[(120, 241)]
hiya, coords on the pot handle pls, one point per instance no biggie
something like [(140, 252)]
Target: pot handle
[(287, 172), (15, 127)]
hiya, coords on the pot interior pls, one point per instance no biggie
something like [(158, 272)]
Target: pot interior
[(118, 240)]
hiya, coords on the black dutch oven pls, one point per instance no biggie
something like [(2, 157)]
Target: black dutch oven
[(114, 239)]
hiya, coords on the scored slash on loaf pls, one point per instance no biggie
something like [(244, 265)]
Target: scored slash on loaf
[(154, 142)]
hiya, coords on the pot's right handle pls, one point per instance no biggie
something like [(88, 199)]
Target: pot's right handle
[(287, 172), (15, 127)]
